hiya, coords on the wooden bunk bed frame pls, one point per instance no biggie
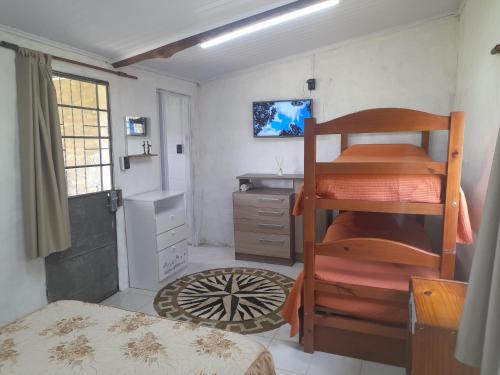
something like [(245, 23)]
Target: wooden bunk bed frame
[(329, 332)]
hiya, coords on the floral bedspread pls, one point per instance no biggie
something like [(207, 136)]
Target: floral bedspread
[(70, 337)]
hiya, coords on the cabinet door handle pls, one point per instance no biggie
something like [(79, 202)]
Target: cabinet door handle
[(277, 226), (270, 213), (271, 199), (271, 242)]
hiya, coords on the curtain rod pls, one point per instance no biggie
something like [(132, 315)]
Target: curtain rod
[(15, 47)]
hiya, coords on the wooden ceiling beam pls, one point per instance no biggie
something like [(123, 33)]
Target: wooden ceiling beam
[(171, 49)]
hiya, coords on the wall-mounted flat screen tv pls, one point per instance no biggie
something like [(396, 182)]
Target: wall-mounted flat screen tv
[(281, 118)]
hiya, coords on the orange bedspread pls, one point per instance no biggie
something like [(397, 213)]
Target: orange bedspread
[(383, 275), (387, 188)]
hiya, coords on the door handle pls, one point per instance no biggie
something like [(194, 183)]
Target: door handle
[(114, 200)]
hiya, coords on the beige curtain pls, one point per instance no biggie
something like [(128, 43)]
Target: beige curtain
[(45, 198), (478, 342)]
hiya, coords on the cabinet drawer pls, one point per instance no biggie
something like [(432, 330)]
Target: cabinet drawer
[(261, 200), (172, 259), (261, 226), (170, 219), (171, 237), (270, 245), (258, 214)]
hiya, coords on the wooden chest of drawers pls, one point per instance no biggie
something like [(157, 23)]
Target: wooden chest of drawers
[(435, 311), (263, 225)]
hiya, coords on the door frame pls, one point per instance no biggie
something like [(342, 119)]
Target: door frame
[(189, 173)]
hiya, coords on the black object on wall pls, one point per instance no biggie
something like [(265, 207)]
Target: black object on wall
[(311, 84)]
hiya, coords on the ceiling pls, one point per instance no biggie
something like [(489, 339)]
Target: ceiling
[(116, 29)]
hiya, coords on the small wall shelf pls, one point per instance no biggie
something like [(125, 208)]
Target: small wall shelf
[(125, 160), (140, 155)]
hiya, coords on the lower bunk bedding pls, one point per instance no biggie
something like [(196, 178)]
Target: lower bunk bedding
[(333, 270), (70, 337)]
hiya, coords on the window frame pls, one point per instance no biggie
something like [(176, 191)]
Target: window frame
[(56, 73)]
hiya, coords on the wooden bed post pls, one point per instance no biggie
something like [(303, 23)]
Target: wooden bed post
[(309, 231), (344, 142), (455, 148), (425, 142)]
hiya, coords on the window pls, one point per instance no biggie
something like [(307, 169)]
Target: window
[(84, 116)]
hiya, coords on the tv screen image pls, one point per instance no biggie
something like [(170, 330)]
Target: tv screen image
[(282, 118), (136, 126)]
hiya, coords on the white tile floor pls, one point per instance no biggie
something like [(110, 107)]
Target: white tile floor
[(288, 355)]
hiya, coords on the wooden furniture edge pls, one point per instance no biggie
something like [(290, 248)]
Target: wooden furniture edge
[(264, 259), (384, 120), (361, 291), (379, 250)]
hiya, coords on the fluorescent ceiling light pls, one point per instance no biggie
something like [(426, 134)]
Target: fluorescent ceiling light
[(269, 23)]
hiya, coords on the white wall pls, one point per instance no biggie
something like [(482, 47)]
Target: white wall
[(22, 282), (478, 94), (411, 67)]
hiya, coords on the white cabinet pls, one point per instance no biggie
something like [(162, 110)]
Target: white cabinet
[(156, 238), (172, 259)]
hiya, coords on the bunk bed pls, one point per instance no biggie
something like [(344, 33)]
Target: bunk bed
[(352, 298)]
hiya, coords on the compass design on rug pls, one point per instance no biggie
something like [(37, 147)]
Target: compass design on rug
[(245, 300), (231, 297)]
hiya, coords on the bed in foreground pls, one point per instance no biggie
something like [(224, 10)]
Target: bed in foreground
[(69, 337)]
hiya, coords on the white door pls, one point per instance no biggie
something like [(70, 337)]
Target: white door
[(175, 140), (176, 147)]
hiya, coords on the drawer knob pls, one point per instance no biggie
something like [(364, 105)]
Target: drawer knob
[(271, 242), (271, 199), (277, 226), (271, 213)]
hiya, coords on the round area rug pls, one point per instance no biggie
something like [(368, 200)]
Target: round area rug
[(243, 300)]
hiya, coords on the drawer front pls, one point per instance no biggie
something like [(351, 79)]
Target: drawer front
[(172, 259), (270, 245), (171, 237), (258, 214), (170, 219), (261, 200), (261, 226)]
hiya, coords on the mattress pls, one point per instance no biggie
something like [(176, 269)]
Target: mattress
[(372, 274), (70, 337), (387, 188)]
